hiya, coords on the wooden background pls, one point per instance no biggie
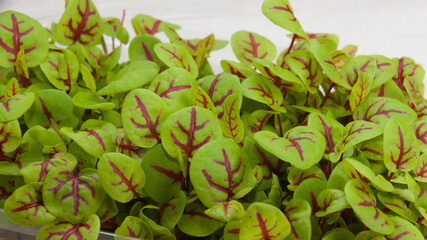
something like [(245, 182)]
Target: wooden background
[(393, 28)]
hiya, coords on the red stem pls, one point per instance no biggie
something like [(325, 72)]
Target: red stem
[(390, 176), (327, 95)]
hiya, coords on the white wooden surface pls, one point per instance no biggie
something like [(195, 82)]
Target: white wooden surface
[(393, 28)]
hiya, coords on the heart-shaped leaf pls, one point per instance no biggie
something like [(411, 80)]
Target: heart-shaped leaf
[(134, 75), (162, 170), (188, 129), (362, 200), (401, 150), (218, 172), (80, 23), (60, 229), (174, 55), (72, 197), (25, 206), (174, 86), (282, 14), (121, 176), (298, 212), (16, 106), (36, 171), (249, 45), (263, 221), (142, 113), (196, 223), (135, 228), (301, 146), (380, 109), (21, 32), (361, 63)]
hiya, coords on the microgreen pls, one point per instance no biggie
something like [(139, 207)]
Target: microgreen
[(316, 142)]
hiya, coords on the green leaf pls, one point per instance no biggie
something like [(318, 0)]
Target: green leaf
[(162, 170), (282, 14), (357, 169), (107, 210), (339, 233), (10, 136), (421, 169), (218, 172), (94, 137), (72, 197), (25, 206), (298, 213), (331, 201), (88, 78), (330, 128), (360, 90), (406, 67), (380, 110), (159, 232), (263, 221), (362, 200), (200, 98), (361, 63), (369, 235), (397, 205), (89, 229), (239, 69), (143, 112), (174, 86), (12, 89), (262, 90), (196, 223), (114, 28), (296, 176), (304, 64), (121, 176), (404, 230), (401, 151), (249, 45), (227, 211), (301, 146), (174, 55), (170, 213), (21, 32), (309, 193), (142, 48), (16, 106), (134, 75), (61, 68), (80, 23), (87, 100), (232, 230), (231, 124), (134, 227), (144, 24), (188, 129)]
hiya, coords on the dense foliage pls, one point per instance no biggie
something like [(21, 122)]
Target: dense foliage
[(315, 142)]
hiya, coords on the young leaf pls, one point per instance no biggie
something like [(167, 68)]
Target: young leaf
[(121, 176), (258, 121), (159, 232), (219, 87), (296, 176), (404, 230), (362, 200), (282, 14), (142, 48), (188, 129), (301, 146), (113, 28), (401, 151), (262, 90), (144, 24), (421, 169), (361, 63), (232, 125), (134, 75), (10, 136), (298, 213), (239, 69), (170, 212), (421, 133), (87, 100), (26, 208), (196, 223), (218, 173), (135, 228), (88, 78), (107, 210), (330, 128), (94, 137), (339, 233), (12, 89), (360, 90), (385, 70), (406, 67), (60, 229), (16, 106), (202, 50), (397, 205), (369, 235), (21, 32), (309, 193), (249, 45), (142, 113), (331, 201), (263, 221), (380, 109), (162, 170), (80, 23), (174, 86), (174, 55), (200, 98), (72, 197)]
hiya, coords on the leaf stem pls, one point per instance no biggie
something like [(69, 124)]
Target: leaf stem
[(2, 156), (328, 92), (286, 195), (290, 47), (390, 176), (104, 46)]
